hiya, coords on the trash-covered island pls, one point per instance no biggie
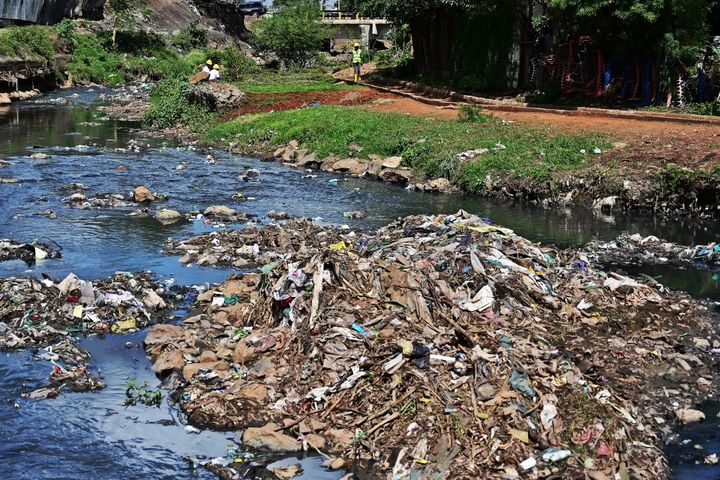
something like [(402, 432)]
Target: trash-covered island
[(438, 347)]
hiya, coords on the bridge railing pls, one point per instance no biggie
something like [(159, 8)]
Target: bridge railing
[(340, 15)]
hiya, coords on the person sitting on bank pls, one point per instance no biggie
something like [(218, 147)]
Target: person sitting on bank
[(214, 73), (357, 61), (207, 66)]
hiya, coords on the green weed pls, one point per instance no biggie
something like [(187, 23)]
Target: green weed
[(169, 107)]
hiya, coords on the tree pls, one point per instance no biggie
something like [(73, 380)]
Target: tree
[(294, 33), (122, 14), (431, 26)]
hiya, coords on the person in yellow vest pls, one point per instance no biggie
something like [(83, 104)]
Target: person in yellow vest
[(357, 61)]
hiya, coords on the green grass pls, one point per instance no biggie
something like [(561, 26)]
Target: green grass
[(430, 145), (35, 42), (271, 81)]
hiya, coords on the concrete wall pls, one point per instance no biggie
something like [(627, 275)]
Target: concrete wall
[(48, 11)]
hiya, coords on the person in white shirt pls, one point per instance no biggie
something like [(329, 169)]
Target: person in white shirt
[(214, 73), (206, 67)]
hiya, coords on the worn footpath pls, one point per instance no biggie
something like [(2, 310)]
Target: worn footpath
[(438, 347)]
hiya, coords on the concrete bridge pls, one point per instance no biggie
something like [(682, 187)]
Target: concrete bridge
[(349, 27)]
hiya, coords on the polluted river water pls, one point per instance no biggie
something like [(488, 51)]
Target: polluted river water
[(93, 435)]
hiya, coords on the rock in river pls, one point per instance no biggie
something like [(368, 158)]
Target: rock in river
[(143, 194)]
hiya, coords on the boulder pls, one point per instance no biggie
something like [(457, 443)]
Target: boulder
[(40, 156), (392, 162), (191, 369), (688, 415), (279, 215), (307, 159), (215, 95), (169, 360), (287, 472), (220, 211), (142, 194), (401, 176), (164, 333), (5, 99), (168, 215), (269, 437), (351, 165), (77, 198), (439, 185)]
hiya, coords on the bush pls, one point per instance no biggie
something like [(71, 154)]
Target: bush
[(169, 107), (234, 63), (190, 37), (471, 113), (65, 29), (91, 62), (294, 34), (30, 42)]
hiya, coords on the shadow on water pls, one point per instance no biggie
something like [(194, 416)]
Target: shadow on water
[(92, 435)]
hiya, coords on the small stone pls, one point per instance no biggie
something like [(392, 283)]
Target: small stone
[(279, 215), (40, 156), (701, 343), (290, 471), (168, 215), (220, 211)]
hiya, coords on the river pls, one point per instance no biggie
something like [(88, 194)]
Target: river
[(93, 435)]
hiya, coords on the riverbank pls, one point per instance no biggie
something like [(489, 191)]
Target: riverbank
[(439, 346), (629, 165)]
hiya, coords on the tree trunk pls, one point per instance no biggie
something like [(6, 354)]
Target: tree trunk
[(432, 43)]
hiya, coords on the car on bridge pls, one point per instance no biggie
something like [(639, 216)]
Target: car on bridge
[(254, 9)]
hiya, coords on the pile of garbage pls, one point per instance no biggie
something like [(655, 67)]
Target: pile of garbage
[(438, 347), (636, 249), (29, 253)]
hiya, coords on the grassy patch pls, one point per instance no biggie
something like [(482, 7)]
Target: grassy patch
[(31, 42), (270, 81), (428, 144)]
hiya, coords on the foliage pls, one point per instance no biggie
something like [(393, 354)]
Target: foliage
[(190, 37), (30, 42), (169, 107), (135, 394), (65, 29), (234, 63), (469, 113), (428, 144), (91, 62), (294, 33), (121, 13)]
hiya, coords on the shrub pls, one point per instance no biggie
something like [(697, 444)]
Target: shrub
[(169, 107), (90, 62), (471, 113), (294, 34), (190, 37)]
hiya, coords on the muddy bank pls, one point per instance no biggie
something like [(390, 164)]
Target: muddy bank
[(441, 347)]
